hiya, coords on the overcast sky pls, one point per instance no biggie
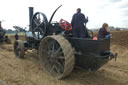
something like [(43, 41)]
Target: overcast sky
[(113, 12)]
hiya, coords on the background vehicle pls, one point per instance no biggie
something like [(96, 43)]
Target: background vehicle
[(3, 37)]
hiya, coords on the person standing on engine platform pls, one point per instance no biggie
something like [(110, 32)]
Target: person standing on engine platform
[(78, 23)]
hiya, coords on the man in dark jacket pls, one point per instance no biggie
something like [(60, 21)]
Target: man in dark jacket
[(79, 25), (16, 37), (103, 33)]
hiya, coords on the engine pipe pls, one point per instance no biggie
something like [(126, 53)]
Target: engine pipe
[(54, 14)]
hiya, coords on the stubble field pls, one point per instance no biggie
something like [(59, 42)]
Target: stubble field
[(27, 71)]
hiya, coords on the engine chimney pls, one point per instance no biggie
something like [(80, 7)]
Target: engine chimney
[(0, 25), (30, 17)]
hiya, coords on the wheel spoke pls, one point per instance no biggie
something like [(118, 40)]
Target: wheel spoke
[(49, 46), (57, 70), (59, 53), (59, 66), (35, 21), (53, 46), (38, 34), (61, 57), (39, 16), (61, 60), (42, 32), (52, 68), (58, 50), (34, 29), (49, 52), (42, 24), (17, 50)]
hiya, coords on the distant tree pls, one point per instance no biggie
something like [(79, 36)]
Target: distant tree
[(9, 31), (111, 27), (5, 30)]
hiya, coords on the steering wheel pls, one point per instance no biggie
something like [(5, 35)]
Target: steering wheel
[(65, 25)]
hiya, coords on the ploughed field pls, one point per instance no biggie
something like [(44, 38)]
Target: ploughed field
[(27, 71)]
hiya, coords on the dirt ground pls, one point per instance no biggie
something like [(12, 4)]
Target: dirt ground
[(27, 71)]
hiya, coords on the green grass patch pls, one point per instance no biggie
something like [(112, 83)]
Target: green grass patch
[(13, 34)]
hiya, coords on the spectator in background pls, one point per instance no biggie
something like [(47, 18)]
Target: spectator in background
[(103, 32), (16, 37)]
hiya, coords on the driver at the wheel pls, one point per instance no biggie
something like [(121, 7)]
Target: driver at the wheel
[(78, 25)]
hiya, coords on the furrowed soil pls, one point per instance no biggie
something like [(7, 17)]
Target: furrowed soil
[(27, 71)]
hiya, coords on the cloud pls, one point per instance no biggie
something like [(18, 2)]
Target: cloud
[(124, 5), (113, 1), (99, 11), (125, 13)]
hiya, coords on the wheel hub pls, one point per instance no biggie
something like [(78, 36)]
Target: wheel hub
[(53, 57)]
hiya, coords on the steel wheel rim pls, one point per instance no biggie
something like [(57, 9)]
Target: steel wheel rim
[(68, 61), (55, 58)]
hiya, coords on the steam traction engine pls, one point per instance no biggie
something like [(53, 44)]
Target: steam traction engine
[(3, 37), (58, 51)]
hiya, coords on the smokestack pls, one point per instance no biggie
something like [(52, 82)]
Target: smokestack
[(30, 17), (0, 25)]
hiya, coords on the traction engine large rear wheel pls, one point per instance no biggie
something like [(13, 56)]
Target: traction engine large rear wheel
[(56, 56)]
